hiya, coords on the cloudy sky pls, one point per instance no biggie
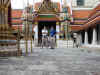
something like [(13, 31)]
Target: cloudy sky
[(20, 4)]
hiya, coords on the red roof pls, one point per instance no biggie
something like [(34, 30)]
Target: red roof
[(76, 27), (92, 22), (81, 14), (80, 17), (18, 21), (16, 16), (93, 18), (79, 21), (46, 19), (95, 10), (17, 13)]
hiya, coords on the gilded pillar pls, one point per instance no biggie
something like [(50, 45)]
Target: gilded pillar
[(6, 18)]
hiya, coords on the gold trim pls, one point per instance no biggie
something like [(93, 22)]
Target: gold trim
[(57, 23), (36, 23), (9, 2)]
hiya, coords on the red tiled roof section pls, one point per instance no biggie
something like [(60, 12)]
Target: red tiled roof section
[(91, 23), (80, 21), (94, 18), (17, 13), (76, 27), (81, 14), (46, 19), (17, 21), (95, 10)]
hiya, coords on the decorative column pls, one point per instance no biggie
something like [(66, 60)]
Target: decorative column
[(86, 38), (57, 30), (80, 39), (98, 34), (94, 40), (6, 18), (36, 33)]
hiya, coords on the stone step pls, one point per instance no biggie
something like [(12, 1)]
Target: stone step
[(64, 43), (9, 53)]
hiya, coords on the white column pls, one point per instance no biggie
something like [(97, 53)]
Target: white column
[(94, 40), (36, 35), (57, 30), (80, 39), (86, 38), (36, 32)]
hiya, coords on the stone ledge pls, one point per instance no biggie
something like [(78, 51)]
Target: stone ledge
[(8, 53)]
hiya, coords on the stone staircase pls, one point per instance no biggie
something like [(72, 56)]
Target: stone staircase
[(64, 44), (60, 44)]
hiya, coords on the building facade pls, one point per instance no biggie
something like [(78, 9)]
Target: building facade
[(84, 4), (46, 16), (86, 21), (91, 28), (83, 12)]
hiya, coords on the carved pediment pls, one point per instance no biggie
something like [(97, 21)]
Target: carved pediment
[(48, 7)]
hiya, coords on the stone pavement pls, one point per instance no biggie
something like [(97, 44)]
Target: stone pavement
[(60, 61)]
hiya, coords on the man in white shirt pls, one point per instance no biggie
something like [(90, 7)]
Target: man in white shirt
[(44, 37), (44, 32)]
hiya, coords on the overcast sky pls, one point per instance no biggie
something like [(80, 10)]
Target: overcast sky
[(20, 4)]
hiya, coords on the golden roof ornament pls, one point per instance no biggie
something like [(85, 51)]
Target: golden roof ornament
[(46, 0), (47, 7)]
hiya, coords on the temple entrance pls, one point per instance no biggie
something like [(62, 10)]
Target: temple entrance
[(48, 25)]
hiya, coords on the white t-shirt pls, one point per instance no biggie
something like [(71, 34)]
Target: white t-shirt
[(75, 35), (44, 32)]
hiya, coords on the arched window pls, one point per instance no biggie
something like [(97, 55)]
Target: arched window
[(80, 2)]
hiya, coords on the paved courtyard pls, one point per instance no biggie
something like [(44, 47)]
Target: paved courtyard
[(60, 61)]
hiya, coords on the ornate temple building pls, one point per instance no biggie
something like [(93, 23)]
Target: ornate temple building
[(46, 16), (90, 30), (86, 21), (82, 17)]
